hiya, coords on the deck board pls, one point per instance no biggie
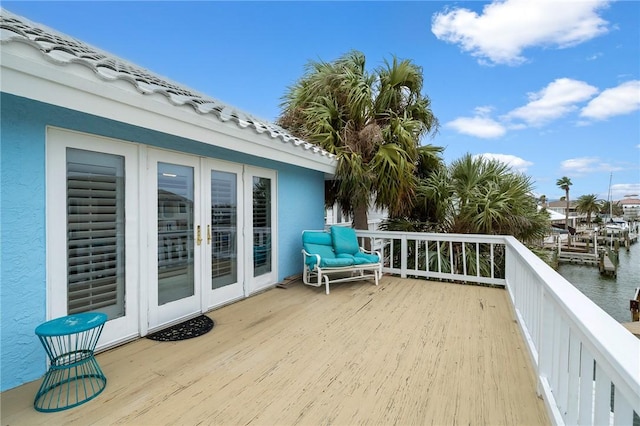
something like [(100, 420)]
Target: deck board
[(405, 352)]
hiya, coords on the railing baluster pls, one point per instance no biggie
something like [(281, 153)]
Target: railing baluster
[(493, 263), (403, 257), (573, 382), (426, 255), (585, 411), (602, 400), (464, 259), (622, 410), (477, 259)]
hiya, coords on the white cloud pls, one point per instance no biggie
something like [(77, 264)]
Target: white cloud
[(554, 101), (480, 125), (619, 100), (512, 161), (505, 28), (579, 165), (585, 165), (620, 190)]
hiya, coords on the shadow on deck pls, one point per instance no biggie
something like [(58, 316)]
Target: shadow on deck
[(405, 352)]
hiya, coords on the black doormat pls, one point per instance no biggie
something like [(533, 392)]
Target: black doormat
[(185, 330)]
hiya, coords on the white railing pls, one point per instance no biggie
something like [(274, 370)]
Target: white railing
[(587, 365)]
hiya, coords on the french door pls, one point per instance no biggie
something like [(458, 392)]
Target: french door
[(195, 256), (152, 237), (174, 236)]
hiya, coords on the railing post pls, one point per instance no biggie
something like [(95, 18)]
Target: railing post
[(404, 252)]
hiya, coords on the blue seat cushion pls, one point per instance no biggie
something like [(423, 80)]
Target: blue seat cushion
[(360, 258), (335, 262), (344, 240), (366, 258)]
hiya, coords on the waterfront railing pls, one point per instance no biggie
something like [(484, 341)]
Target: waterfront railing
[(587, 365)]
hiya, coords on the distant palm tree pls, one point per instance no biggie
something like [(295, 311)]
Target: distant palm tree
[(543, 201), (614, 208), (373, 122), (589, 204), (565, 183)]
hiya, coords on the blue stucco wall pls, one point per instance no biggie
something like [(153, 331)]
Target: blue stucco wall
[(22, 216)]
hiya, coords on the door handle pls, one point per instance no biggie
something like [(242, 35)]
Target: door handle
[(208, 234), (198, 236)]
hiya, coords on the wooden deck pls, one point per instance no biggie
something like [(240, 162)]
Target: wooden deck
[(405, 352)]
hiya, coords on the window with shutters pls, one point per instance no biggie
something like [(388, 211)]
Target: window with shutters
[(95, 232)]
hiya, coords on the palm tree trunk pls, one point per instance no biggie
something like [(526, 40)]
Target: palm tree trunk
[(566, 219), (361, 221), (360, 218)]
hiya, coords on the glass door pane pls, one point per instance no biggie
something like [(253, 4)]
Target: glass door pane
[(261, 226), (224, 229), (175, 232)]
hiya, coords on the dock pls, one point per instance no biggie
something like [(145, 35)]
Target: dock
[(633, 327), (578, 258), (602, 259)]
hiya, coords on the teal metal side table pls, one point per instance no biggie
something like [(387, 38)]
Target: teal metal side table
[(74, 376)]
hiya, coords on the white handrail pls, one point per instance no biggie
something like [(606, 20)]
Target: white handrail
[(580, 354)]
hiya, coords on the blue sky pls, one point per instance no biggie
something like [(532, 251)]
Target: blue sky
[(553, 88)]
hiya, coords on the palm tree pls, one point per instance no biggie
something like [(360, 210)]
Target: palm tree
[(475, 195), (543, 201), (589, 204), (613, 208), (373, 122), (565, 183)]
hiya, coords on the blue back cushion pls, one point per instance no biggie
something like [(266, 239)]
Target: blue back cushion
[(316, 237), (317, 242), (344, 240)]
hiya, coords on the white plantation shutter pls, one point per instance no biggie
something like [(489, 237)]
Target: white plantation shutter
[(224, 228), (95, 232), (261, 226)]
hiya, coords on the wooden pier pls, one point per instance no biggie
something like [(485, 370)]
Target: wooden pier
[(605, 259), (578, 258)]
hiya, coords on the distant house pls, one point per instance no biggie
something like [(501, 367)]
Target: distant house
[(630, 208), (126, 193), (561, 206)]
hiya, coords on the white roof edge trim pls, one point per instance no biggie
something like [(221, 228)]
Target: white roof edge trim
[(78, 89), (62, 50)]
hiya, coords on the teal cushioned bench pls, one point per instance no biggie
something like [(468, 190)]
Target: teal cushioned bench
[(327, 254)]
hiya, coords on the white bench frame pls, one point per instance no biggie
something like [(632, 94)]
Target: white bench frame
[(319, 276)]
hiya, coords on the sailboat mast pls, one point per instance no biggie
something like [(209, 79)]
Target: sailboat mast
[(609, 198)]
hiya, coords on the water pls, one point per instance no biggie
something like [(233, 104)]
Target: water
[(611, 294)]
